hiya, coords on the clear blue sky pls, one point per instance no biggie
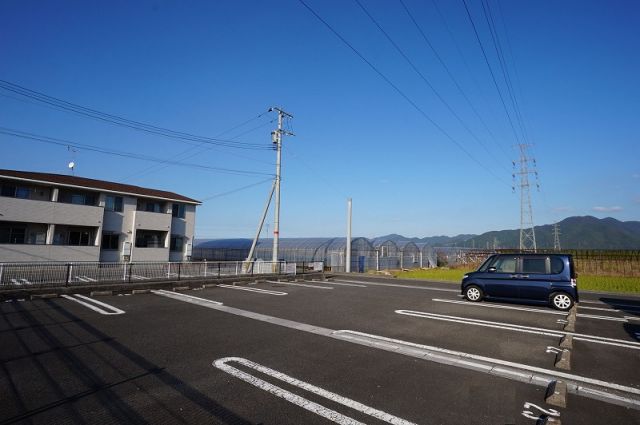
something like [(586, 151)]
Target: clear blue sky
[(205, 67)]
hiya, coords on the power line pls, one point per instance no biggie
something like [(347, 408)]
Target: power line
[(219, 195), (92, 148), (181, 155), (125, 122), (493, 77), (424, 78), (398, 90), (451, 76)]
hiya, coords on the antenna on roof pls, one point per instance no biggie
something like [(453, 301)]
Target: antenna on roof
[(72, 163)]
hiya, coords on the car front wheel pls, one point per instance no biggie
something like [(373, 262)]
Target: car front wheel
[(473, 293), (561, 301)]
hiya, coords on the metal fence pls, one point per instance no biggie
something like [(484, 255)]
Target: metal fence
[(34, 275)]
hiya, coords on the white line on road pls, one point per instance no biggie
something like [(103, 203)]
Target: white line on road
[(520, 328), (93, 304), (187, 298), (260, 291), (500, 306), (613, 304), (302, 402), (536, 310), (342, 284), (476, 362), (504, 372), (395, 285), (298, 284), (597, 308)]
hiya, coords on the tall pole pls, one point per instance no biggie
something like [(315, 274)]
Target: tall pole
[(348, 254), (276, 137)]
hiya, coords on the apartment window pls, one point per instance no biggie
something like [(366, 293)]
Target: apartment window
[(149, 206), (12, 233), (79, 237), (110, 241), (77, 198), (37, 238), (113, 203), (76, 236), (177, 242), (149, 239), (178, 210), (14, 191)]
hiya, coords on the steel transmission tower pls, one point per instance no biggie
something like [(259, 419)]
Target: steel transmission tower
[(556, 237), (526, 167)]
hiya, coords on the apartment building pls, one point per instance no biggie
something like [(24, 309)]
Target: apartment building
[(55, 217)]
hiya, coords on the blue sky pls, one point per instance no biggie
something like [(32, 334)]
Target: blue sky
[(205, 67)]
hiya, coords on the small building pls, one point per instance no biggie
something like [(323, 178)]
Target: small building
[(55, 217)]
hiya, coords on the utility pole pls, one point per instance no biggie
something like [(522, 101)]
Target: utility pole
[(527, 232), (276, 138), (556, 237), (348, 253)]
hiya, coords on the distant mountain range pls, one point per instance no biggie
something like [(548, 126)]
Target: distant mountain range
[(575, 233)]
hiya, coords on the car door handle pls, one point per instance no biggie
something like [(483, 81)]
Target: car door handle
[(514, 276), (524, 276)]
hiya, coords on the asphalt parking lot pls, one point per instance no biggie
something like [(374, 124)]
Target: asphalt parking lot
[(354, 350)]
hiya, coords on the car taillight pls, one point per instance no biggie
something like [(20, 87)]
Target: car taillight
[(574, 282)]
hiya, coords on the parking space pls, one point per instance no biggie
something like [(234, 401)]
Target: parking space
[(243, 354)]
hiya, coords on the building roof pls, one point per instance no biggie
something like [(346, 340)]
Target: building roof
[(85, 183)]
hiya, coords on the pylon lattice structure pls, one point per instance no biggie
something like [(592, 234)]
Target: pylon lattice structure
[(556, 237), (526, 167)]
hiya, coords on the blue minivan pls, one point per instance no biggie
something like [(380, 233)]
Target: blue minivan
[(539, 278)]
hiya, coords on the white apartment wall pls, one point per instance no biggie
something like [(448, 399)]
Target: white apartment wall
[(16, 253)]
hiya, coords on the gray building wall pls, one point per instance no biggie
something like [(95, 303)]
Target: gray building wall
[(43, 213)]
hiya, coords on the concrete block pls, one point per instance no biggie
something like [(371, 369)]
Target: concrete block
[(140, 291), (563, 360), (566, 342), (101, 293), (570, 327), (556, 394), (209, 285), (43, 296)]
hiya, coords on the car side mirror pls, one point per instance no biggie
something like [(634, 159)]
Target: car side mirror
[(492, 269)]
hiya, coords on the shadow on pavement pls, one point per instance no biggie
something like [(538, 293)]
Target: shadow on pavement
[(49, 371)]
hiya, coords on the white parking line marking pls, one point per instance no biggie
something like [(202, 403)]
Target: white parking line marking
[(316, 408), (187, 298), (536, 310), (138, 277), (260, 291), (473, 361), (505, 307), (299, 284), (613, 304), (442, 355), (520, 328), (342, 284), (396, 285), (93, 304), (598, 308)]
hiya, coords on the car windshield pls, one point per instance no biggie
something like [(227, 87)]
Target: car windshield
[(483, 267)]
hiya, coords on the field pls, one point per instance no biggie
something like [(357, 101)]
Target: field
[(585, 281)]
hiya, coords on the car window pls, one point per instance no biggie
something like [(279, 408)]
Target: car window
[(534, 265), (484, 266), (557, 265), (505, 265)]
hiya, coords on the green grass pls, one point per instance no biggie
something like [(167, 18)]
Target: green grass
[(585, 282)]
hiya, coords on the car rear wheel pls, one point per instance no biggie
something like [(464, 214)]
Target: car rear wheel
[(473, 293), (561, 301)]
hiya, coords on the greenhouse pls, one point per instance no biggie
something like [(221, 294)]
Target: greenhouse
[(366, 255)]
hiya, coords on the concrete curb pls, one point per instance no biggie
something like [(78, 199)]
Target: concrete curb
[(556, 394), (181, 288), (141, 291), (100, 293), (563, 360), (566, 342)]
